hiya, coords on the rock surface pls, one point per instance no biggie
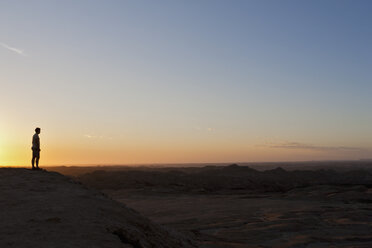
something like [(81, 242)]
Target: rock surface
[(47, 209), (237, 206)]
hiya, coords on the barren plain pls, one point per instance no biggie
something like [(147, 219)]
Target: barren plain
[(237, 206)]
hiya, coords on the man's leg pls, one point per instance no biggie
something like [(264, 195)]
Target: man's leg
[(37, 162), (33, 162)]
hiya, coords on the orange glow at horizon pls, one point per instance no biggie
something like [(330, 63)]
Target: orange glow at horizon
[(54, 155), (71, 145), (134, 83)]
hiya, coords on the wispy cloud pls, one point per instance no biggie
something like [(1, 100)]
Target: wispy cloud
[(88, 136), (302, 146), (13, 49), (208, 129)]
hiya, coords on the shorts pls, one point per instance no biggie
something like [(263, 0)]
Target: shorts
[(35, 153)]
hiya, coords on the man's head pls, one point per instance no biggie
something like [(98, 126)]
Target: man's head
[(37, 130)]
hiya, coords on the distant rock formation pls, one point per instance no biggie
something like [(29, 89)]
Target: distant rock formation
[(46, 209), (222, 178)]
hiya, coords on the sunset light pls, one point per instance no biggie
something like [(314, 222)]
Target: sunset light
[(185, 123), (132, 83)]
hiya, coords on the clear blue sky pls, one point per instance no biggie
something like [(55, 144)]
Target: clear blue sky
[(186, 81)]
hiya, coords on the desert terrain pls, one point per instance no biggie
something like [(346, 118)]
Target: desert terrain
[(238, 206), (46, 209)]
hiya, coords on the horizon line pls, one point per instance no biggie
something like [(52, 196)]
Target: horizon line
[(193, 163)]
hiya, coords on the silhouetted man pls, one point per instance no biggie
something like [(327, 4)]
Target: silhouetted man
[(35, 149)]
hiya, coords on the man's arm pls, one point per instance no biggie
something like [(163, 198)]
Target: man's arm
[(38, 142)]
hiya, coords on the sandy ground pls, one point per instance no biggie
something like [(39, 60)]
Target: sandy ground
[(319, 216)]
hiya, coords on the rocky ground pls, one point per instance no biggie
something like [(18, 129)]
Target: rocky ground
[(46, 209), (237, 206), (324, 216)]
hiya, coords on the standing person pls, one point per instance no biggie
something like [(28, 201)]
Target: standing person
[(35, 149)]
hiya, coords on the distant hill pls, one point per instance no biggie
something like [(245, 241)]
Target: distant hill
[(221, 178)]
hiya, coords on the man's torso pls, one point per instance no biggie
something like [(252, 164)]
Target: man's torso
[(35, 141)]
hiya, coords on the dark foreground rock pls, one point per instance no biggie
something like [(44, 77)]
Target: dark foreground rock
[(46, 209), (321, 216), (237, 206)]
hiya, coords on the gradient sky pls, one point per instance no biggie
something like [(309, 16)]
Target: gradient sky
[(119, 82)]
